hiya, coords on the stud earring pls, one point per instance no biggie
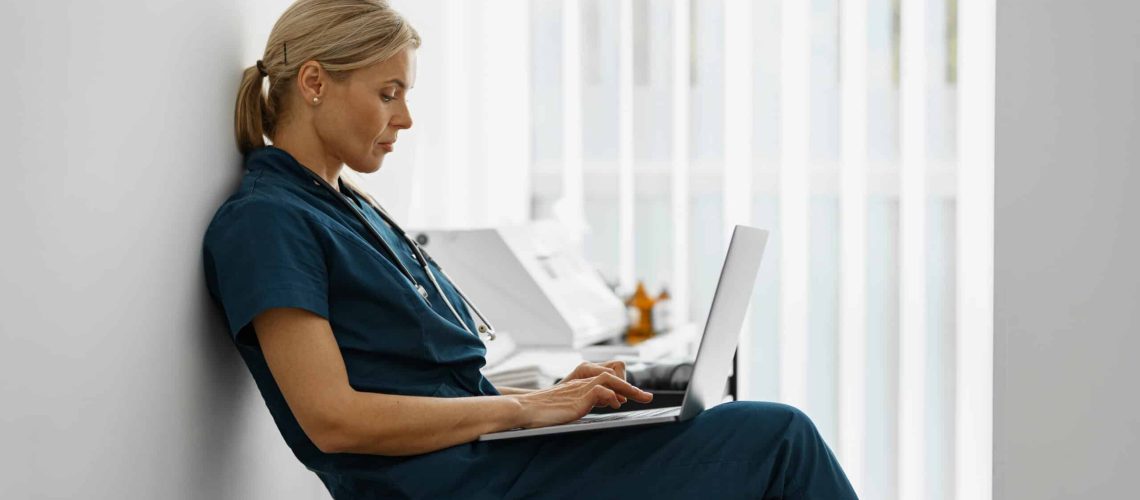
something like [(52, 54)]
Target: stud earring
[(316, 100)]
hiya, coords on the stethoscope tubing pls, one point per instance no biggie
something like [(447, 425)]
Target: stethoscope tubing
[(422, 258)]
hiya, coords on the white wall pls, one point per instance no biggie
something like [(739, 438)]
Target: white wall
[(1067, 262), (116, 376)]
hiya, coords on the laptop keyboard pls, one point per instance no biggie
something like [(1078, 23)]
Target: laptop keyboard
[(625, 415)]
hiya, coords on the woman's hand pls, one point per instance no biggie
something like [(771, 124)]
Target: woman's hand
[(587, 369), (570, 400)]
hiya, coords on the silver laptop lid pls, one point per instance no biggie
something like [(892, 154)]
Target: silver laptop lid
[(726, 316)]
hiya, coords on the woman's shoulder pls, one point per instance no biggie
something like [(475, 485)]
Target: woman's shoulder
[(257, 205)]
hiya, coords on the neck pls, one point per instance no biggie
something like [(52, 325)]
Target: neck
[(307, 149)]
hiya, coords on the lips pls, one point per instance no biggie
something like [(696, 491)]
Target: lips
[(387, 146)]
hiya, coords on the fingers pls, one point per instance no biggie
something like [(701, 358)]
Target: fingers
[(622, 388), (612, 375), (604, 396), (617, 367)]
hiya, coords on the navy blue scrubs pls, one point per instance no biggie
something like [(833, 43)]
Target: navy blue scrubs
[(283, 240)]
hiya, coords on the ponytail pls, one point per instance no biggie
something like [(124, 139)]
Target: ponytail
[(249, 118)]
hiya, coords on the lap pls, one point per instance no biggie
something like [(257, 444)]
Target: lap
[(729, 451), (717, 453)]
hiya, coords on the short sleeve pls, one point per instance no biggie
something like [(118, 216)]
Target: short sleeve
[(259, 256)]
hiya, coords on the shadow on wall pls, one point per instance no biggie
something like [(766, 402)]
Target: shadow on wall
[(226, 389)]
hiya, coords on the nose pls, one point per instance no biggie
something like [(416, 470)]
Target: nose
[(402, 120)]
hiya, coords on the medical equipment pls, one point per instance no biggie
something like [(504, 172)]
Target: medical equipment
[(534, 280), (421, 257)]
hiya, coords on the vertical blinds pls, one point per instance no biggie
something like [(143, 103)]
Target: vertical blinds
[(860, 132)]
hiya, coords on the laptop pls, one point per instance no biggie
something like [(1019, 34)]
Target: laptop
[(714, 357)]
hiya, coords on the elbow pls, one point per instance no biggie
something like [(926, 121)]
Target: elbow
[(331, 447), (331, 440), (329, 432)]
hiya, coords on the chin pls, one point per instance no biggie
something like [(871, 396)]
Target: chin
[(367, 166)]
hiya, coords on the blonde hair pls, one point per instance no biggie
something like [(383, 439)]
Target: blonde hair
[(341, 35)]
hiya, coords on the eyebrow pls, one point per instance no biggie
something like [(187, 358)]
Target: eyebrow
[(399, 82)]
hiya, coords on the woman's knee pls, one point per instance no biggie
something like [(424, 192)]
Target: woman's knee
[(763, 414)]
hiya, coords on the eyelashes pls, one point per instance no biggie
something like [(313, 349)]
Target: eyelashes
[(390, 98)]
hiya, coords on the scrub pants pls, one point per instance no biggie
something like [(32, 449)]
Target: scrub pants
[(741, 449)]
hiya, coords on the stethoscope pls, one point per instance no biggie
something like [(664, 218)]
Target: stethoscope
[(422, 258)]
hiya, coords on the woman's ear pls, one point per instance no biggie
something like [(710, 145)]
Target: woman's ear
[(311, 82)]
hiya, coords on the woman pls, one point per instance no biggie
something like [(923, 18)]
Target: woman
[(374, 383)]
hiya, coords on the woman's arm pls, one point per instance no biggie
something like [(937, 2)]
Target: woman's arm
[(306, 363), (305, 360), (513, 390)]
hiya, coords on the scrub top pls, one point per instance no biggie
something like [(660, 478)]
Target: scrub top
[(284, 240)]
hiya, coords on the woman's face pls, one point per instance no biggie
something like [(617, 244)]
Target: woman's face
[(358, 117)]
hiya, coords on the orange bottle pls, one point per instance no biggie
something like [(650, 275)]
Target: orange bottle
[(642, 329)]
